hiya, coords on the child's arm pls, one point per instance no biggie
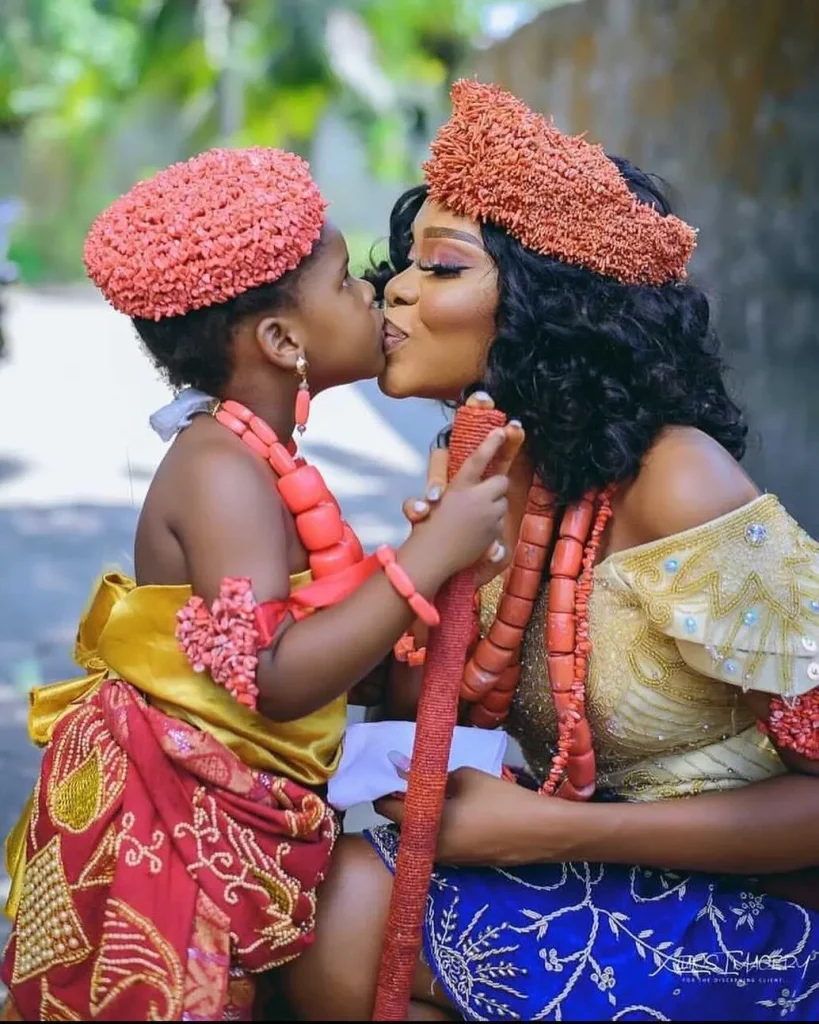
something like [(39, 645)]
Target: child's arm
[(403, 691), (233, 524), (369, 691)]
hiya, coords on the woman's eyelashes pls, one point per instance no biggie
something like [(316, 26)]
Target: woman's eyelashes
[(442, 260), (441, 269)]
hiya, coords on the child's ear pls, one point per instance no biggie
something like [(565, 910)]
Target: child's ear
[(278, 337)]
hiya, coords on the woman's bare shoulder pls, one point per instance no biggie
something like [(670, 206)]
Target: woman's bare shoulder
[(687, 479)]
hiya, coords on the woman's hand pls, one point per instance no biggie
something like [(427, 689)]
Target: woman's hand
[(491, 822)]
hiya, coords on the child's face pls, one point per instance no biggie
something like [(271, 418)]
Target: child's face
[(341, 327)]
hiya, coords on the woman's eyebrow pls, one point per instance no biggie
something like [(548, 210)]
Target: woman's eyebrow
[(460, 236)]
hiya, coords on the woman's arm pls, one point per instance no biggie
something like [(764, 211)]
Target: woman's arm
[(767, 827)]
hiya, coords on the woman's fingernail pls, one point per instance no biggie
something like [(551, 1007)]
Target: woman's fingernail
[(420, 507), (435, 492), (399, 760), (516, 424)]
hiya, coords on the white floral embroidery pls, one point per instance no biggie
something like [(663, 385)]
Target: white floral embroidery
[(750, 907), (481, 963), (786, 1001), (551, 961), (473, 961), (603, 979)]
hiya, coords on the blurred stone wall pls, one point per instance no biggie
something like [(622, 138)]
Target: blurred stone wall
[(721, 99)]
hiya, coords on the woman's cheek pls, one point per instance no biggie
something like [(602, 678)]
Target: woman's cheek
[(449, 342), (432, 368), (459, 364)]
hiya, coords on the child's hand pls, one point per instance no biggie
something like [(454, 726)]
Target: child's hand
[(417, 510), (469, 517)]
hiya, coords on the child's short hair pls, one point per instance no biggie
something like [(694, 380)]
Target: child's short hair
[(194, 349)]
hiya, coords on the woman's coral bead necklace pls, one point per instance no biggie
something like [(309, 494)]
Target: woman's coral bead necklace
[(491, 674)]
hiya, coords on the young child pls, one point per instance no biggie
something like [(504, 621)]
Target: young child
[(178, 830)]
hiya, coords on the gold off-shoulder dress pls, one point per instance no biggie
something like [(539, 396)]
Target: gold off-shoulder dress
[(679, 628)]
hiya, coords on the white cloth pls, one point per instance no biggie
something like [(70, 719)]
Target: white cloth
[(177, 415), (367, 773)]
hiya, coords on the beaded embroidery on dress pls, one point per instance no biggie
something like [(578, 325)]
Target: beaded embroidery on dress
[(678, 628), (612, 942)]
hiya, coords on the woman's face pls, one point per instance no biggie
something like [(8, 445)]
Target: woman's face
[(440, 312)]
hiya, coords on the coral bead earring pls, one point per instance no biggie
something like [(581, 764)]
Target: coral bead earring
[(302, 396)]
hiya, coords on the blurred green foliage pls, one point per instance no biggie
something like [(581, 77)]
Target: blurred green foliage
[(96, 93)]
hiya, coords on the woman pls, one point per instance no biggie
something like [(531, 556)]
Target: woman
[(555, 276)]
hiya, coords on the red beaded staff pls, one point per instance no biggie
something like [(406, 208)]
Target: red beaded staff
[(436, 720)]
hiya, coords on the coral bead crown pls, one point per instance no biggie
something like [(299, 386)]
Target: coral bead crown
[(496, 160), (204, 231)]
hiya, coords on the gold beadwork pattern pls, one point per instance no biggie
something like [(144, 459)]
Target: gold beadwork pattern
[(738, 595), (48, 930), (490, 595), (34, 818), (54, 1009), (133, 952), (679, 627), (137, 851), (726, 764), (75, 802), (88, 772), (280, 934), (282, 897), (246, 867), (102, 866)]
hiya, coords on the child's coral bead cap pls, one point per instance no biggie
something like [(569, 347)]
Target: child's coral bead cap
[(204, 231), (497, 160)]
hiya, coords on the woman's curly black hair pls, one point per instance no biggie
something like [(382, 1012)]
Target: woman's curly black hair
[(196, 349), (593, 369)]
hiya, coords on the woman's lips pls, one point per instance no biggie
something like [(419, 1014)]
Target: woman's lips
[(393, 337)]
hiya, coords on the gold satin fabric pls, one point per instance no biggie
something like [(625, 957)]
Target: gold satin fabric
[(129, 632)]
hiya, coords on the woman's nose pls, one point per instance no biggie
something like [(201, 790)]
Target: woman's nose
[(401, 290)]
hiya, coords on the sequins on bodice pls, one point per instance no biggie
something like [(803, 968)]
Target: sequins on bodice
[(679, 628)]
